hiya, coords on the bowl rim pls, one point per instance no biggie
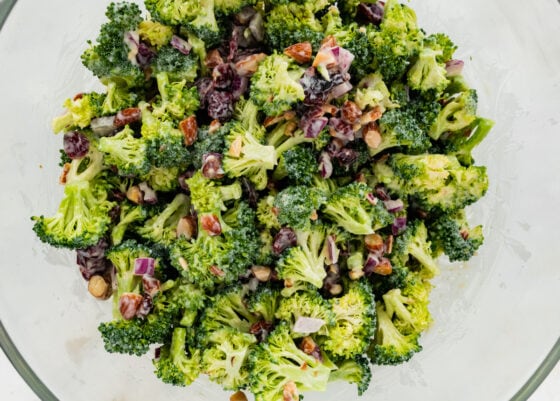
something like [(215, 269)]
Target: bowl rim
[(44, 394)]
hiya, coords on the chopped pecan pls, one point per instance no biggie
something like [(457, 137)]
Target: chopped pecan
[(300, 52), (211, 224), (127, 116), (189, 128), (351, 113), (372, 135)]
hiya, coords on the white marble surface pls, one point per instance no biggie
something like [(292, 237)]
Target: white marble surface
[(13, 388)]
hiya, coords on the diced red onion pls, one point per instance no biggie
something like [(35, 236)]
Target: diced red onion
[(345, 59), (325, 165), (103, 126), (399, 225), (371, 261), (394, 206), (372, 199), (308, 325), (381, 193), (149, 196), (313, 127), (341, 90), (180, 44), (132, 41), (454, 67), (144, 266), (145, 55), (332, 250)]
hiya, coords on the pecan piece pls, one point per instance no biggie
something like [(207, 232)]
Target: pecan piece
[(211, 224), (300, 52), (189, 128)]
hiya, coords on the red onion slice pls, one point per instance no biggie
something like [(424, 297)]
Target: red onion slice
[(325, 165), (180, 44), (454, 67), (308, 325), (344, 59), (399, 225), (144, 266), (341, 90), (332, 250), (312, 127), (394, 206)]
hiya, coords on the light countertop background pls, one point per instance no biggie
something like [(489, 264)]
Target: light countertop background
[(13, 388)]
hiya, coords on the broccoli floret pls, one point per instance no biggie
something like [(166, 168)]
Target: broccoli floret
[(298, 164), (458, 113), (397, 42), (305, 304), (354, 322), (228, 7), (436, 182), (172, 12), (225, 356), (266, 215), (442, 43), (409, 307), (451, 234), (83, 214), (161, 228), (242, 247), (177, 101), (154, 33), (108, 58), (427, 73), (208, 142), (178, 364), (118, 98), (176, 65), (397, 279), (126, 152), (129, 214), (279, 362), (247, 156), (356, 370), (275, 86), (414, 242), (164, 143), (205, 25), (163, 179), (79, 112), (372, 92), (284, 139), (399, 128), (228, 309), (291, 23), (304, 262), (264, 302), (296, 206), (209, 197), (461, 144), (391, 346), (349, 208)]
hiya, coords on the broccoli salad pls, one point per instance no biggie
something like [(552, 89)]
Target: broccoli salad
[(263, 188)]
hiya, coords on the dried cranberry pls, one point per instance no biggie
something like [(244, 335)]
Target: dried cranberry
[(370, 13), (183, 180), (75, 144), (205, 86), (339, 129), (220, 105), (223, 76), (145, 55), (286, 238), (239, 86), (346, 157), (249, 192), (91, 260)]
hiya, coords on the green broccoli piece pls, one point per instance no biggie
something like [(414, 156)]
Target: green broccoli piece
[(118, 98), (163, 179), (247, 156), (225, 356), (291, 23), (208, 142), (397, 42), (264, 302), (372, 92), (173, 12), (414, 242), (426, 73), (435, 182), (283, 139), (177, 101), (349, 208), (129, 215), (399, 128), (397, 279), (126, 152), (461, 144), (297, 205), (176, 65), (228, 309), (356, 370), (208, 196), (391, 347), (354, 322), (304, 262), (108, 58), (458, 113), (83, 214), (279, 361), (451, 234), (161, 228), (266, 215), (154, 33), (275, 86), (79, 112), (305, 304), (298, 164), (440, 42), (177, 364), (228, 7)]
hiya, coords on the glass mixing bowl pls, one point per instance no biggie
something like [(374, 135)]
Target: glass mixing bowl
[(496, 320)]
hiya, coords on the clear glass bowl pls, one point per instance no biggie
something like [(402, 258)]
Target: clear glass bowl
[(496, 318)]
